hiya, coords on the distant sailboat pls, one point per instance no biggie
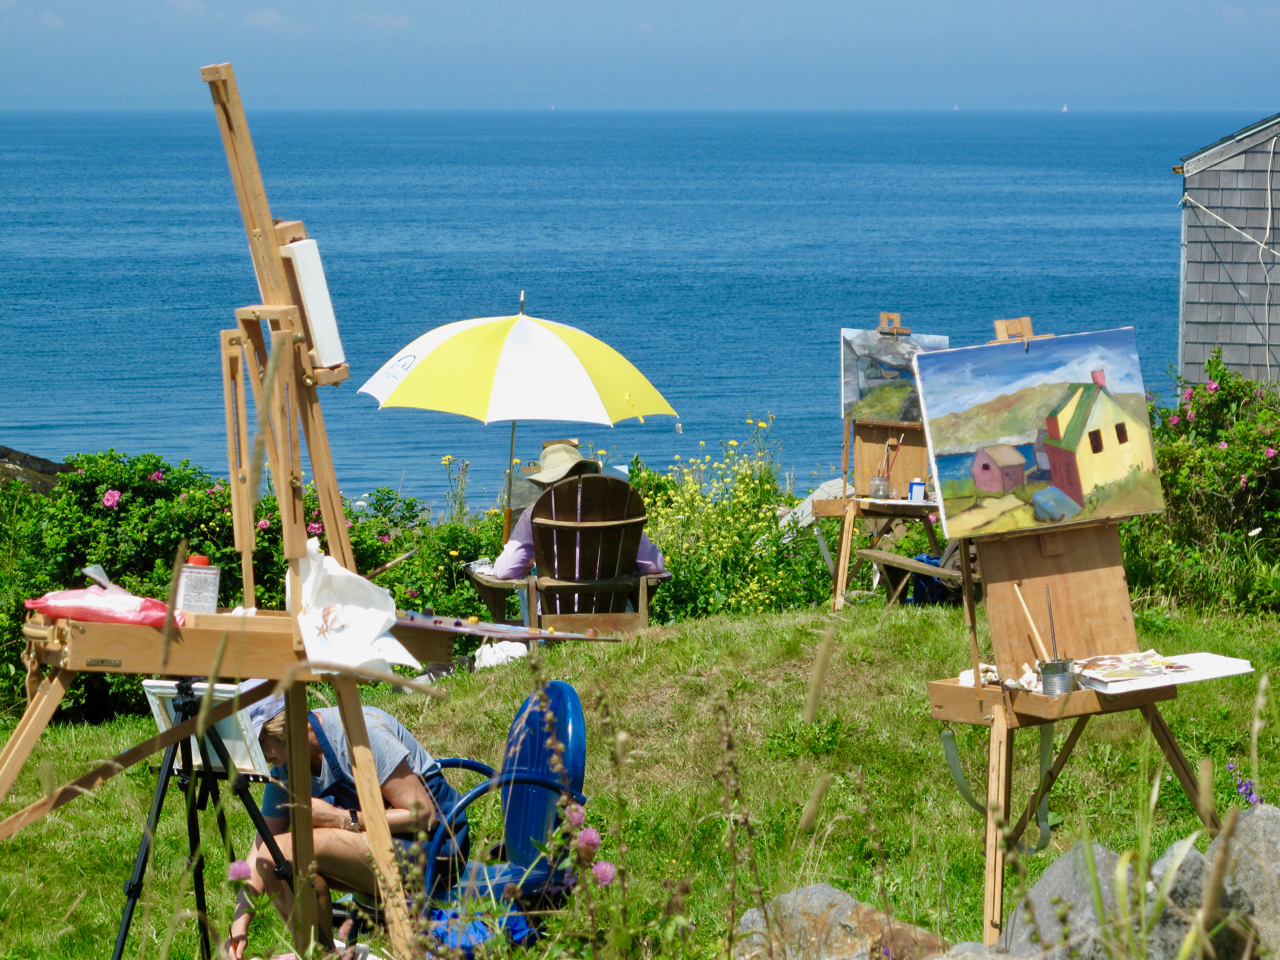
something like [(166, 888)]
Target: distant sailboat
[(1064, 108), (956, 107)]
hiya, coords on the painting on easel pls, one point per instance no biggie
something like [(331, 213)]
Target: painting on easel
[(1029, 434), (877, 382)]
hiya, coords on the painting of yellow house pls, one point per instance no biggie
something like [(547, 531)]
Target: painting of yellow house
[(1094, 441), (1029, 435)]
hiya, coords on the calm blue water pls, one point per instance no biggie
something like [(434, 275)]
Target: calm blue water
[(720, 252)]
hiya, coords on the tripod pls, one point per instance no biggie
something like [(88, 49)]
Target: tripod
[(198, 786)]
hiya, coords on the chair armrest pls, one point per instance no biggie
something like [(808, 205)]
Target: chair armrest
[(448, 827), (459, 763)]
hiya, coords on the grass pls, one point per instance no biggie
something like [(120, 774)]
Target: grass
[(60, 879)]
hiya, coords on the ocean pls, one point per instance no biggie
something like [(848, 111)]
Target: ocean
[(720, 252)]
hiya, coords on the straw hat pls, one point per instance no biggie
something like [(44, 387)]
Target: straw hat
[(561, 460)]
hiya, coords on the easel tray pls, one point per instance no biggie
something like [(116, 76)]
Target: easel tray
[(956, 704)]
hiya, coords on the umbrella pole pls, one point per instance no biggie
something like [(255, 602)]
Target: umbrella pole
[(511, 469)]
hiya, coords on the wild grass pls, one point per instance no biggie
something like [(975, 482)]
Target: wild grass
[(60, 879)]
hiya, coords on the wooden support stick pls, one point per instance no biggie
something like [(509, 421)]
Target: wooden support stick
[(1181, 768), (34, 719), (122, 761), (1041, 652), (305, 918), (971, 619), (1050, 778), (394, 905), (238, 457), (999, 785), (842, 560)]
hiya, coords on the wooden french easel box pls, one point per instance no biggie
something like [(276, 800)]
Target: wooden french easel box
[(1040, 447)]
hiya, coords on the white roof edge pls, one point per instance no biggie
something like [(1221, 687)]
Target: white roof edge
[(1244, 139)]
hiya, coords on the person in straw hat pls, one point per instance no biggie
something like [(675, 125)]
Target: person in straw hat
[(558, 461)]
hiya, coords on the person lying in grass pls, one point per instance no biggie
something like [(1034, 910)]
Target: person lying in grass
[(414, 791)]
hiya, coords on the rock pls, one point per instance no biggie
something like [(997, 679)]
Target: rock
[(967, 948), (39, 474), (823, 923), (1062, 902), (1254, 868), (1185, 895)]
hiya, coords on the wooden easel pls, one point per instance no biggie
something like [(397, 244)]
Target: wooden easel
[(278, 366), (865, 441), (1083, 568)]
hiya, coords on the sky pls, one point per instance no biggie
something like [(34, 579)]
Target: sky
[(954, 380), (647, 54)]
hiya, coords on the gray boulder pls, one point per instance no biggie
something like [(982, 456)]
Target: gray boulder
[(1185, 894), (823, 923), (1058, 910), (1254, 868)]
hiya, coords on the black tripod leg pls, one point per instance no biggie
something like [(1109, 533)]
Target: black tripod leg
[(133, 888), (240, 787), (212, 792), (195, 857)]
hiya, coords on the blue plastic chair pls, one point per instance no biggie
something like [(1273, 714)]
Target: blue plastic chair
[(530, 793)]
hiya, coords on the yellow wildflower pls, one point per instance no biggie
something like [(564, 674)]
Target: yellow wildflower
[(760, 424), (447, 459), (733, 443), (453, 553)]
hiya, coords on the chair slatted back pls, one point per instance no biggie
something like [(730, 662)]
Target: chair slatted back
[(586, 536)]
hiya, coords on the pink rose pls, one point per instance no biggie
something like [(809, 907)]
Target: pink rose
[(589, 840), (604, 872), (111, 498), (1212, 386), (263, 524), (1222, 445), (182, 496), (239, 870), (348, 523), (1269, 452), (1242, 480), (1191, 414), (1186, 395), (157, 476), (576, 815), (412, 592), (315, 528), (385, 538), (933, 518), (1175, 420)]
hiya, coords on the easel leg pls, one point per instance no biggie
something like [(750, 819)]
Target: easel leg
[(305, 910), (34, 719), (195, 857), (1181, 768), (999, 785), (394, 905), (842, 559), (933, 537), (133, 887)]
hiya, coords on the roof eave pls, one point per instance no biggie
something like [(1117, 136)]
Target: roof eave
[(1238, 142)]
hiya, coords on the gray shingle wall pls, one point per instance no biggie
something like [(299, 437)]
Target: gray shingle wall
[(1225, 292)]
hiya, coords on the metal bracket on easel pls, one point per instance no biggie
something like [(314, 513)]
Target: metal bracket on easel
[(952, 753)]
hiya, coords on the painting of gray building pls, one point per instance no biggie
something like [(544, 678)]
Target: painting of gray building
[(1229, 238)]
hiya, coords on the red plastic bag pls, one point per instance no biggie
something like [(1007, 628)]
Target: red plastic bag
[(96, 605)]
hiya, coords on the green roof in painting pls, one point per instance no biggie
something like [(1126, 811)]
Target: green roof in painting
[(1075, 429)]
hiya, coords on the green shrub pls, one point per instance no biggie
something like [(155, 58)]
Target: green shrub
[(130, 513), (715, 519), (1214, 545)]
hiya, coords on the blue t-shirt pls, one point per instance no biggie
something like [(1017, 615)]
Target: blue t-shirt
[(390, 742)]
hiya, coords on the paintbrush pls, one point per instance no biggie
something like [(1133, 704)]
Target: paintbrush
[(884, 462), (889, 472), (1052, 638)]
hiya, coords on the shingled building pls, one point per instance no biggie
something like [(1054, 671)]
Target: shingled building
[(1228, 259)]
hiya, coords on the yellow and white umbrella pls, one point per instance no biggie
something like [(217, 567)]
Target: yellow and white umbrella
[(516, 368)]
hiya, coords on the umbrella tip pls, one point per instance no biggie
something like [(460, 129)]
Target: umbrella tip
[(522, 303)]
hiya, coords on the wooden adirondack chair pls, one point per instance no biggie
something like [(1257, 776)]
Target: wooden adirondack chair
[(586, 535)]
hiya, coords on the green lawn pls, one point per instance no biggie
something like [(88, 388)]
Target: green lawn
[(60, 880)]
